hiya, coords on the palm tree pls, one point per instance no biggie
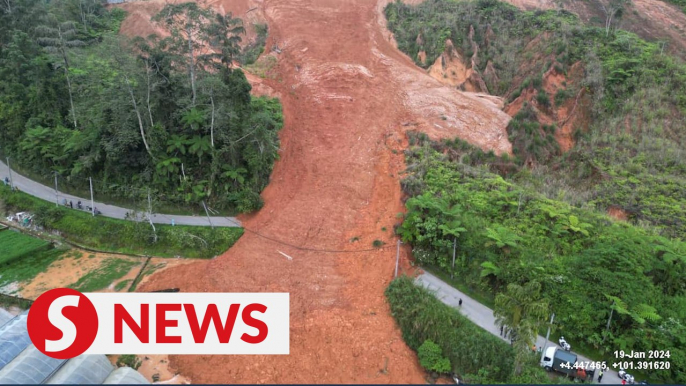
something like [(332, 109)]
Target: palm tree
[(523, 311)]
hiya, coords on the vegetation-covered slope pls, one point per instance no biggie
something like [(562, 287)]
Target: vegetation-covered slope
[(586, 263), (620, 100), (597, 124), (166, 114)]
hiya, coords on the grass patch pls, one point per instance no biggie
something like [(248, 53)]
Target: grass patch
[(27, 268), (148, 271), (378, 243), (253, 50), (113, 235), (121, 285), (14, 245), (263, 66), (109, 271)]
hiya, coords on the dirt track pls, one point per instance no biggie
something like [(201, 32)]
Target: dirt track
[(348, 94)]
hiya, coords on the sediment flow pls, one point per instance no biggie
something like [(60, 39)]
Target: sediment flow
[(348, 96)]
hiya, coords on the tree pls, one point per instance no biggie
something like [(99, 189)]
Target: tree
[(187, 24), (523, 311), (612, 9), (224, 34), (57, 37), (7, 4), (128, 71)]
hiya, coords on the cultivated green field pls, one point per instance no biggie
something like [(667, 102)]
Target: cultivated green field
[(22, 257), (14, 245)]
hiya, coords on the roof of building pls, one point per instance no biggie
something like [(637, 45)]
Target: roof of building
[(5, 317), (21, 362), (125, 376)]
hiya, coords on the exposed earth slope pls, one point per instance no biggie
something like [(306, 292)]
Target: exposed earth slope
[(348, 94), (650, 19)]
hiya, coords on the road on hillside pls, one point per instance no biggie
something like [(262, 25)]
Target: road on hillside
[(46, 193), (483, 316)]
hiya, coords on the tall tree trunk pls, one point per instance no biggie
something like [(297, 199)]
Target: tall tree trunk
[(83, 16), (138, 114), (71, 98), (9, 7), (191, 64), (147, 72), (212, 121), (66, 73)]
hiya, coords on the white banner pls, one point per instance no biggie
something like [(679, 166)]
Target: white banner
[(191, 323)]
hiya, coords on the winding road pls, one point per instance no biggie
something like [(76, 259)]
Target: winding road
[(43, 192), (483, 316)]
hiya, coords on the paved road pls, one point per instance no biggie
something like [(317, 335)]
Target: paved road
[(483, 316), (46, 193)]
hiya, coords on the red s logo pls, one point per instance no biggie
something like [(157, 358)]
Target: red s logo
[(62, 323)]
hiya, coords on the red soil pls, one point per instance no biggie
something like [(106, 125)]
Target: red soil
[(137, 22), (617, 213), (348, 95)]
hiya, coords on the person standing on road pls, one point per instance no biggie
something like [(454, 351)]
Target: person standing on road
[(71, 204), (460, 302), (600, 376), (501, 330), (172, 222)]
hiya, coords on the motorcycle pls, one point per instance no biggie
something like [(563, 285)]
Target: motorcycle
[(563, 343), (626, 376), (93, 210)]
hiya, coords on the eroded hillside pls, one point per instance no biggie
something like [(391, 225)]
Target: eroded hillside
[(348, 97)]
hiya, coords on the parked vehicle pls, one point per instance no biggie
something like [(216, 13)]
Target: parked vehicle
[(626, 376), (93, 210), (559, 360), (563, 343), (564, 362)]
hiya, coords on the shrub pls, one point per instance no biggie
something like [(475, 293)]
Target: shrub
[(542, 98), (468, 348), (537, 82), (561, 96), (129, 360), (431, 358)]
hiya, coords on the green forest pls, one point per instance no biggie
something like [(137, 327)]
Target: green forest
[(586, 263), (166, 114), (538, 218)]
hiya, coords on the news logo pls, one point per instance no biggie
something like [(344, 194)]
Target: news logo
[(64, 323)]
